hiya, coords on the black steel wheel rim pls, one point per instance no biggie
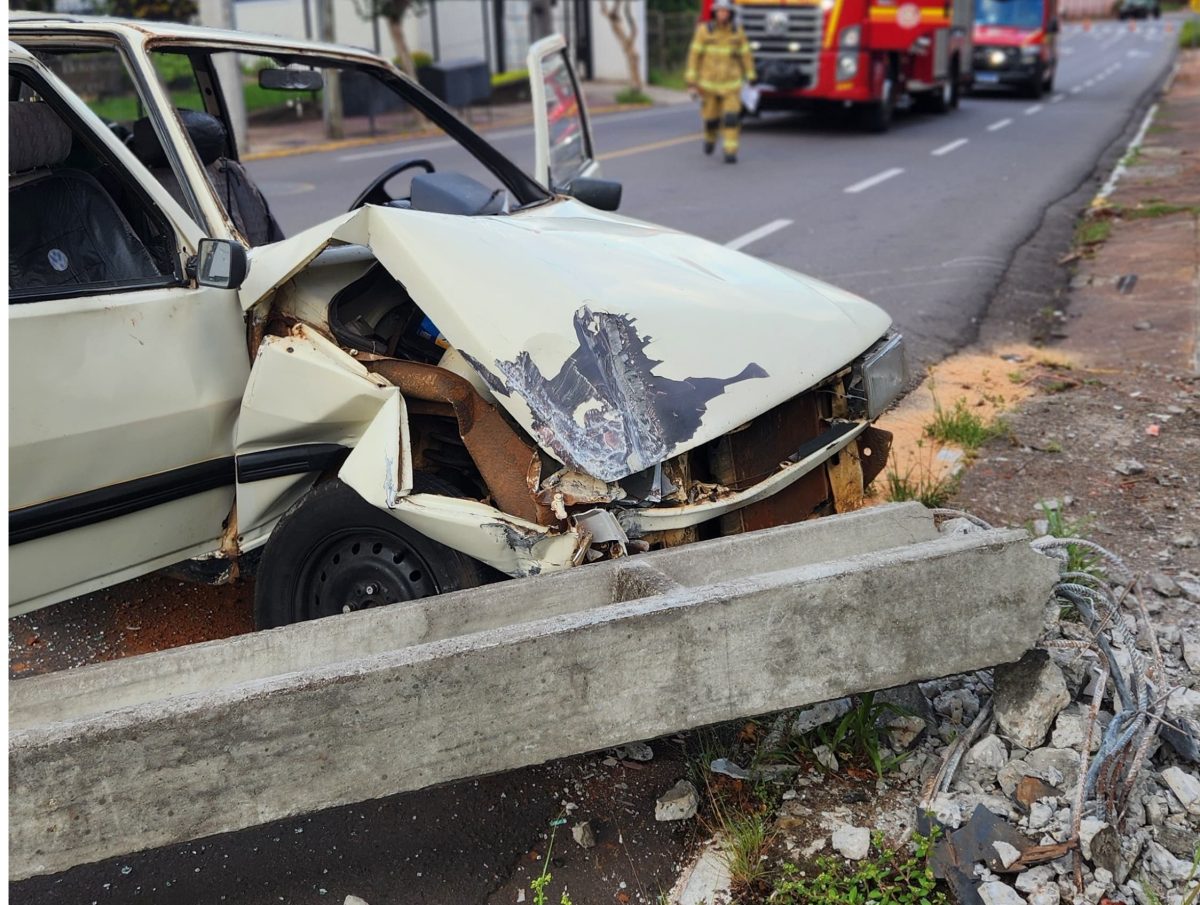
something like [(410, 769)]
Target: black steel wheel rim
[(358, 569)]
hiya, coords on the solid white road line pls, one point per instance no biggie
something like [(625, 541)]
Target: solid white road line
[(999, 124), (1029, 111), (755, 234), (873, 180), (947, 148)]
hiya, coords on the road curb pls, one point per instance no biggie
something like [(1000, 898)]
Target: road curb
[(371, 141)]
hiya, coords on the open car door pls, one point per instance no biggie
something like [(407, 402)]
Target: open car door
[(560, 122)]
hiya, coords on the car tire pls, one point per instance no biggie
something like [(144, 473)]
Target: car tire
[(877, 116), (334, 552), (1036, 85)]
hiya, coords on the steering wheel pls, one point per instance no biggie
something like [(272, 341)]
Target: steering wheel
[(375, 193)]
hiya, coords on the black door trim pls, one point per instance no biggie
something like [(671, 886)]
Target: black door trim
[(92, 506), (128, 497), (289, 460)]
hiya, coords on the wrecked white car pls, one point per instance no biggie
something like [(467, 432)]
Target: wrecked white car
[(477, 375)]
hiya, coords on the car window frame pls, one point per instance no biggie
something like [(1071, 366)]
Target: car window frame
[(526, 190), (44, 41), (29, 76)]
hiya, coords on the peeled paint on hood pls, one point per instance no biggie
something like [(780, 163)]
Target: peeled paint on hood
[(614, 343)]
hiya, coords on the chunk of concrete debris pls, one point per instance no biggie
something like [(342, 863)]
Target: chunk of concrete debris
[(994, 892), (1008, 853), (1185, 539), (1058, 766), (1165, 865), (1191, 654), (638, 751), (1129, 467), (1029, 694), (583, 834), (959, 527), (1029, 880), (820, 714), (904, 730), (1088, 828), (947, 812), (826, 758), (986, 757), (726, 767), (354, 900), (678, 803), (1070, 729), (1163, 585), (852, 842), (1186, 788), (959, 705)]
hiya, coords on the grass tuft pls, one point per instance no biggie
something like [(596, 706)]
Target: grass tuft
[(925, 487), (960, 426), (633, 96)]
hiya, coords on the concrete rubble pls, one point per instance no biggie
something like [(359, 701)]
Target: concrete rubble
[(1022, 766)]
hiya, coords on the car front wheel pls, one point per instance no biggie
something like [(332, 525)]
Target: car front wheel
[(335, 553)]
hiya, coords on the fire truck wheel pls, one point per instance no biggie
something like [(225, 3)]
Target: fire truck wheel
[(877, 116)]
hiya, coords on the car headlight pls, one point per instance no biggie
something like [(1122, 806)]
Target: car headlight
[(847, 65), (884, 375), (850, 36), (997, 57)]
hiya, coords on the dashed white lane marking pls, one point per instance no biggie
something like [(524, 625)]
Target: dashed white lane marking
[(947, 148), (999, 124), (1029, 111), (1076, 89), (873, 181), (755, 234), (1057, 98)]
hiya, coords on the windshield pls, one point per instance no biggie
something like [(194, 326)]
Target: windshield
[(1012, 13)]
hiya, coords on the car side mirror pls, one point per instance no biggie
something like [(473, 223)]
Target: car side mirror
[(221, 264), (1052, 28), (602, 194)]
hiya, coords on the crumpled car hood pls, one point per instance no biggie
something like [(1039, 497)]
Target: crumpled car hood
[(616, 344)]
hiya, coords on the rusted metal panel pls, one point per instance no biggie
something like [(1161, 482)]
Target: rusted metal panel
[(749, 455), (507, 462)]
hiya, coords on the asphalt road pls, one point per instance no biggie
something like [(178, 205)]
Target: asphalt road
[(923, 220)]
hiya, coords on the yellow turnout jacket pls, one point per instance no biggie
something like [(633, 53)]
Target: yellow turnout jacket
[(719, 59)]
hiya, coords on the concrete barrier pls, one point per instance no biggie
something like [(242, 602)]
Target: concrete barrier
[(173, 746)]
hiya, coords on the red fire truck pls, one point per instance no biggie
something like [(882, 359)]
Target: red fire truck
[(864, 54), (1016, 44)]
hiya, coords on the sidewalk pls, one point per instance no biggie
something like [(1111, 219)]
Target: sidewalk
[(302, 136), (1117, 430)]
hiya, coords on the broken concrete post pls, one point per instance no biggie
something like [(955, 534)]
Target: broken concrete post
[(168, 747)]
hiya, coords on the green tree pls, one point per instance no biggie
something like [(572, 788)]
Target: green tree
[(158, 10), (394, 12)]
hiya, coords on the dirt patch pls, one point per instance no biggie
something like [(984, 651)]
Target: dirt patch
[(147, 614)]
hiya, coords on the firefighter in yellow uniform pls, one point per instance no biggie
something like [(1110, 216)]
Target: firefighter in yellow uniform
[(719, 62)]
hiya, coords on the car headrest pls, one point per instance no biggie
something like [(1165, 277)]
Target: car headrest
[(205, 130), (37, 136)]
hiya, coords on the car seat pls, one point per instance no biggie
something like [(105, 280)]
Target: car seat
[(242, 199), (64, 227)]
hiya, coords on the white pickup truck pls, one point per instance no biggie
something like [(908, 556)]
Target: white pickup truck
[(490, 373)]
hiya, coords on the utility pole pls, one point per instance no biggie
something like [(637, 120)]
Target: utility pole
[(219, 14), (331, 97)]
